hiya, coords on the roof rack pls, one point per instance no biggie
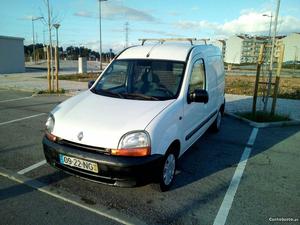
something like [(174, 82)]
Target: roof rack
[(162, 40)]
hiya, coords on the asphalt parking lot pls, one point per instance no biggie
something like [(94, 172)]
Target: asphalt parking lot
[(241, 175)]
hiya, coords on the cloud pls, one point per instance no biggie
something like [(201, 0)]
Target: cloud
[(85, 14), (94, 45), (249, 21), (114, 12)]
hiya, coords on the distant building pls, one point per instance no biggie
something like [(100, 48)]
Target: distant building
[(11, 55), (233, 52), (245, 48), (292, 47)]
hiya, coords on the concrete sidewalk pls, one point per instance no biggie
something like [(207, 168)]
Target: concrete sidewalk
[(33, 82)]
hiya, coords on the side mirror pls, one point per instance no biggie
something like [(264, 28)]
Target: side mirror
[(90, 83), (198, 95)]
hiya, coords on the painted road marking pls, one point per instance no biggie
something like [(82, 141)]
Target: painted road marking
[(70, 198), (229, 196), (15, 99), (20, 119), (32, 167)]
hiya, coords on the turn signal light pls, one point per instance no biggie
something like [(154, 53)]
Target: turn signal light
[(50, 136), (138, 152)]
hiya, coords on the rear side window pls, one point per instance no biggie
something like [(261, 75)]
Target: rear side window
[(197, 80)]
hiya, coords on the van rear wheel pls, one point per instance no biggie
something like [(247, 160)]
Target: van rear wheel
[(168, 171), (216, 126)]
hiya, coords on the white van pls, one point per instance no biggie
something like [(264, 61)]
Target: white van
[(143, 112)]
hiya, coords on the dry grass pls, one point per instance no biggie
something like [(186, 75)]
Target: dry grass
[(79, 77), (289, 87)]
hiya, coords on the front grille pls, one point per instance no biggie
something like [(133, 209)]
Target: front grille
[(84, 147)]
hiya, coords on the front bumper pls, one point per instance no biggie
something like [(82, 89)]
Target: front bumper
[(113, 170)]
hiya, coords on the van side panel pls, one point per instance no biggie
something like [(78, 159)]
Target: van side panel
[(165, 128)]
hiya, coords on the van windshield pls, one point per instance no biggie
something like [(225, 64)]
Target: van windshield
[(141, 79)]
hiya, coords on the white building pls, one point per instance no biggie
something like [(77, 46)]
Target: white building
[(233, 52), (292, 47), (11, 55)]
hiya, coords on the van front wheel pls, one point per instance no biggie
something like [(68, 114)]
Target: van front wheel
[(168, 171)]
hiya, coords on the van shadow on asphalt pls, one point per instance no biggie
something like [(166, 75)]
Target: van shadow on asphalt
[(26, 187)]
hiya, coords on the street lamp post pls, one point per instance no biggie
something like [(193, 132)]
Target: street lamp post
[(271, 58), (33, 40), (56, 26), (270, 28), (100, 33)]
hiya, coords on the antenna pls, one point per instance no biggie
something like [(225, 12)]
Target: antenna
[(126, 34)]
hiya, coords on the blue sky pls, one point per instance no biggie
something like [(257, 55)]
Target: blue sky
[(154, 19)]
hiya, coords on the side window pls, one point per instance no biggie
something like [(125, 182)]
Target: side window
[(197, 80)]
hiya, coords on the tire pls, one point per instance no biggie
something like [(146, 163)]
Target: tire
[(216, 126), (167, 172)]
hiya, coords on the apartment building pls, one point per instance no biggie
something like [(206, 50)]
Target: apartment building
[(245, 48)]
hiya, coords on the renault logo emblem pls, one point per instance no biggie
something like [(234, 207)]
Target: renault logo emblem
[(80, 136)]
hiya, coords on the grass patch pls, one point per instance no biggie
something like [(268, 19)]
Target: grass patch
[(79, 77), (60, 91), (264, 117), (84, 77), (289, 87)]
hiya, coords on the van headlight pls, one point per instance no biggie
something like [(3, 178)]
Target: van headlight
[(49, 128), (50, 123), (133, 144)]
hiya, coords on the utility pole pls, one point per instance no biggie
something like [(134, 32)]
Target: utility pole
[(126, 34), (272, 56)]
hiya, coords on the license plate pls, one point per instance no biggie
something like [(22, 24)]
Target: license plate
[(79, 163)]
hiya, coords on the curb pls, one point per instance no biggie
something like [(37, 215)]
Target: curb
[(264, 125)]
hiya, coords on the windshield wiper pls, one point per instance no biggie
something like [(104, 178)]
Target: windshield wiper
[(139, 96), (106, 92)]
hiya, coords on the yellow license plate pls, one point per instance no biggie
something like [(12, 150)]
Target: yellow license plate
[(78, 163)]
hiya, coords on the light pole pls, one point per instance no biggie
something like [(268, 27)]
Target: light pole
[(270, 28), (33, 40), (271, 57), (100, 33), (56, 26)]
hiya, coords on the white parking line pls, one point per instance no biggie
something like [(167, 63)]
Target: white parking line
[(20, 119), (15, 99), (70, 198), (32, 167), (229, 196)]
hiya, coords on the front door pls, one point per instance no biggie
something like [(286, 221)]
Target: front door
[(195, 113)]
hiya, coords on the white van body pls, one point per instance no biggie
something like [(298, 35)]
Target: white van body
[(90, 119)]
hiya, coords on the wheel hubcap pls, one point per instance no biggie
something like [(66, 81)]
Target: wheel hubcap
[(169, 169)]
